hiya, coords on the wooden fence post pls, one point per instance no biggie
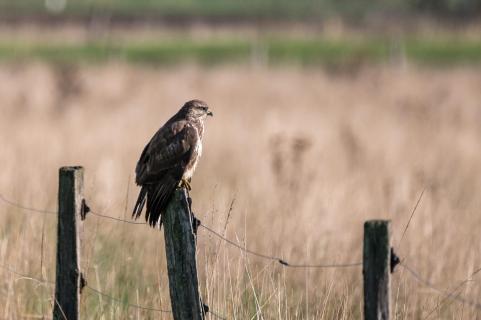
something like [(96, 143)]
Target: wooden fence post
[(377, 270), (68, 277), (180, 245)]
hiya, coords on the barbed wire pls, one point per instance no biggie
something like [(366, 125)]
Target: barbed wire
[(257, 254), (24, 276), (260, 255), (20, 206), (449, 295), (279, 260)]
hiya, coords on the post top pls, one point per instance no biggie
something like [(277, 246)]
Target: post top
[(71, 168), (377, 221)]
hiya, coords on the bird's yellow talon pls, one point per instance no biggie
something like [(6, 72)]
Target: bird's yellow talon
[(184, 183)]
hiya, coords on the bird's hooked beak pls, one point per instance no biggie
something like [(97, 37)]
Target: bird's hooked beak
[(209, 113)]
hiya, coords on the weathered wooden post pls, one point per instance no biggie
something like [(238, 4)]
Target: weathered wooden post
[(68, 278), (180, 245), (377, 270)]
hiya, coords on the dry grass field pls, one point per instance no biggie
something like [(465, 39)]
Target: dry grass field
[(294, 162)]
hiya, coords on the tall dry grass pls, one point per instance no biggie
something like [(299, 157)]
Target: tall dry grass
[(294, 162)]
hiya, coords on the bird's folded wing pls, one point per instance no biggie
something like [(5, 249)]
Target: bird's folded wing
[(170, 148)]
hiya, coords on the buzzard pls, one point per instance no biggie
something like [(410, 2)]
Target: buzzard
[(169, 160)]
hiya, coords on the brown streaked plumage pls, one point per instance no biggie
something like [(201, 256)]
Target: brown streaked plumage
[(170, 159)]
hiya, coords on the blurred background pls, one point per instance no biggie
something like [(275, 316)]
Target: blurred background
[(326, 114)]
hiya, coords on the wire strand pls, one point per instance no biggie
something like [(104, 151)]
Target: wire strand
[(216, 315), (130, 305), (144, 307), (13, 204), (257, 254), (459, 286), (20, 206), (279, 260), (113, 218), (448, 295), (25, 276)]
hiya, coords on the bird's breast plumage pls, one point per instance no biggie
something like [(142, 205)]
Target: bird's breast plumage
[(196, 153)]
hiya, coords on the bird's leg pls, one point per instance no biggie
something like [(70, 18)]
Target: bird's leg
[(184, 183)]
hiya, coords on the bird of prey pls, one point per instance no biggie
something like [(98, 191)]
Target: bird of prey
[(169, 160)]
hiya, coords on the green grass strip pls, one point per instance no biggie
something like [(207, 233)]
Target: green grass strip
[(272, 51)]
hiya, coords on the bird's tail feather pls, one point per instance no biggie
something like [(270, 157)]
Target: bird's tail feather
[(158, 196), (139, 205)]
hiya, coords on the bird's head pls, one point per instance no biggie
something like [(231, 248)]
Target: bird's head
[(197, 109)]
